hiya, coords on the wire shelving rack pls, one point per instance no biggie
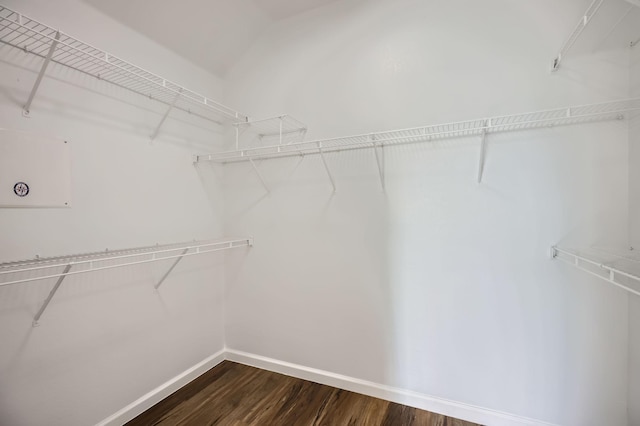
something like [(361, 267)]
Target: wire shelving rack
[(36, 38), (614, 110), (59, 267), (620, 268)]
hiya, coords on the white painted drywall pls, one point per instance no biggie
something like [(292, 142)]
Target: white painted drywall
[(438, 286), (107, 338), (634, 221)]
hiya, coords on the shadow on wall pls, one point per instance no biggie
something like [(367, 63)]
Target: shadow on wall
[(438, 285), (317, 275)]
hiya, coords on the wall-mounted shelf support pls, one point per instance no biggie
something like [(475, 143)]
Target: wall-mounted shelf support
[(579, 28), (380, 162), (326, 167), (54, 43), (61, 278), (483, 150), (39, 269), (255, 169), (166, 274), (156, 132), (620, 271)]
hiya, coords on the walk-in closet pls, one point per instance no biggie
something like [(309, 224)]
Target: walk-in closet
[(320, 212)]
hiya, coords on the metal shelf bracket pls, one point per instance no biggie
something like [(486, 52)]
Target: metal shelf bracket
[(53, 291), (166, 274), (326, 167), (481, 158), (255, 169), (54, 43), (380, 163), (164, 117)]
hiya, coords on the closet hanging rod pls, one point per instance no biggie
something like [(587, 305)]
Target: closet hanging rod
[(478, 127), (34, 37), (155, 254)]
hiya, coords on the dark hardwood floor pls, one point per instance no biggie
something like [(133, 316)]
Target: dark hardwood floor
[(236, 395)]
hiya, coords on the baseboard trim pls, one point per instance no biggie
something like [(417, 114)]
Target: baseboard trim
[(446, 407), (443, 406), (164, 390)]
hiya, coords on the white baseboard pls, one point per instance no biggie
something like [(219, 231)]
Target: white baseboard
[(446, 407), (161, 392)]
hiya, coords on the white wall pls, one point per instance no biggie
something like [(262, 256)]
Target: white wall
[(439, 285), (634, 216), (107, 338)]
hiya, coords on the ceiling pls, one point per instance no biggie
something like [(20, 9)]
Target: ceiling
[(213, 34)]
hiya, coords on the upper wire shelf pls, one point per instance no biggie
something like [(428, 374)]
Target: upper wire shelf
[(34, 37), (575, 34), (478, 127), (584, 21), (618, 267)]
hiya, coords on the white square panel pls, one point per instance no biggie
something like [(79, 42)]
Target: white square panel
[(35, 171)]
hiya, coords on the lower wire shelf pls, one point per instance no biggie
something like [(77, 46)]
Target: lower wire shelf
[(618, 267), (13, 273)]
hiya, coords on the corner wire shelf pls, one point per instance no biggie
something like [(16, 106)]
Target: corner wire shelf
[(34, 37), (620, 268), (282, 129), (60, 267)]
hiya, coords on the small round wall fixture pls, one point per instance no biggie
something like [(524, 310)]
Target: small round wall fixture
[(21, 189)]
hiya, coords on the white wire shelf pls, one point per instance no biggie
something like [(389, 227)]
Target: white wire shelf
[(13, 273), (584, 21), (614, 110), (34, 37), (575, 34), (280, 130), (618, 267)]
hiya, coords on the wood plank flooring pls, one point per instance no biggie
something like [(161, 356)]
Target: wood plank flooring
[(237, 395)]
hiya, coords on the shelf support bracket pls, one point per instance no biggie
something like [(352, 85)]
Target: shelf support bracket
[(255, 169), (164, 117), (380, 163), (51, 294), (166, 274), (483, 150), (326, 167), (27, 107)]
